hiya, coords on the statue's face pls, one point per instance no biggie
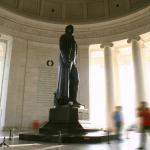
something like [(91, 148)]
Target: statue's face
[(69, 29)]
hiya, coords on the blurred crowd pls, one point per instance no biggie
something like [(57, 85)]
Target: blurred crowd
[(143, 112)]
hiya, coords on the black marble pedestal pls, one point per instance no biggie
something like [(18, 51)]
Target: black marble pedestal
[(64, 119), (64, 126)]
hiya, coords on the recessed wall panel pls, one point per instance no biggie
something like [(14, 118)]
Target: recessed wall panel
[(138, 3), (117, 7), (51, 9), (95, 9), (74, 10), (11, 3), (31, 6)]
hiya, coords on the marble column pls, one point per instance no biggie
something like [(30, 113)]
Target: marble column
[(138, 68), (109, 82)]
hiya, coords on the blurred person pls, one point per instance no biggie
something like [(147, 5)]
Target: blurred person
[(144, 113), (118, 121)]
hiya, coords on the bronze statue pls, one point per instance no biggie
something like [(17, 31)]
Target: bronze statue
[(68, 75)]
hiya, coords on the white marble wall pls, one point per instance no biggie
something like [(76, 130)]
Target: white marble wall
[(16, 83), (32, 83), (40, 82)]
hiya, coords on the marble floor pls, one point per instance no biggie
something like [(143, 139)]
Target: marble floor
[(127, 144)]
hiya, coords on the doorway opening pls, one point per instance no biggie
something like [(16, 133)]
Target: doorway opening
[(5, 56)]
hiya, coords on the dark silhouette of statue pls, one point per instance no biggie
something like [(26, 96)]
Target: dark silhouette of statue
[(68, 80)]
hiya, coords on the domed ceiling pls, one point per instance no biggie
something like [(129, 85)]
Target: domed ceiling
[(74, 11)]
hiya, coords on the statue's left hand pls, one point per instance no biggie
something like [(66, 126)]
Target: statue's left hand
[(67, 64)]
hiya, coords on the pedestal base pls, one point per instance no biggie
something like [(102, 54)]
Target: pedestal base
[(64, 127), (64, 119), (92, 137)]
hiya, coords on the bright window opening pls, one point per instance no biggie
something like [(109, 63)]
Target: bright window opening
[(97, 87), (127, 88), (5, 57), (2, 61), (123, 69)]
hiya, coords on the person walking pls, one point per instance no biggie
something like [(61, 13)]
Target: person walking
[(118, 121), (144, 114)]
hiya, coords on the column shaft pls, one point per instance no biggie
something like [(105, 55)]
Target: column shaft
[(109, 84), (138, 69)]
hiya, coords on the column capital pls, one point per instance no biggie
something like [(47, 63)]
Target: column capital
[(109, 44), (133, 38)]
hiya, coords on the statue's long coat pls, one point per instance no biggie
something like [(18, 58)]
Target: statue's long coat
[(68, 76)]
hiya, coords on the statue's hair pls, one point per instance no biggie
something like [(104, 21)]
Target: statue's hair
[(69, 27)]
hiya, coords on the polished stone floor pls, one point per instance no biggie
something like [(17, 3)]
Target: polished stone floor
[(127, 144)]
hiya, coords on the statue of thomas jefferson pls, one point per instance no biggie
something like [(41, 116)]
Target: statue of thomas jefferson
[(68, 75)]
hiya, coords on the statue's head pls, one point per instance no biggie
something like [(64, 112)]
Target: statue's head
[(69, 29)]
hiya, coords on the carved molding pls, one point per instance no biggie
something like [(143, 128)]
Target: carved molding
[(19, 26), (134, 38), (103, 45), (79, 11)]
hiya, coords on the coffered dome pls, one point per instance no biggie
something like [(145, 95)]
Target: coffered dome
[(74, 11)]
